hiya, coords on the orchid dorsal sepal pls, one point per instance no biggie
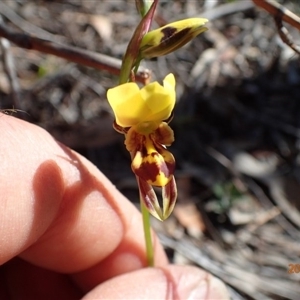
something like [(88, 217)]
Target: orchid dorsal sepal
[(152, 103), (171, 37)]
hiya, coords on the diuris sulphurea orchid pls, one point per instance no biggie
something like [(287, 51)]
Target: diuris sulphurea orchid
[(143, 116)]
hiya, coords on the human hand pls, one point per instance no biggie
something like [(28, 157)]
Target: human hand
[(67, 233)]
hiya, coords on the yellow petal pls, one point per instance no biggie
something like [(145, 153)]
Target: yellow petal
[(169, 82), (127, 103), (159, 100)]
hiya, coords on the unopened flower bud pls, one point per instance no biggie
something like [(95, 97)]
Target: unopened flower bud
[(171, 37)]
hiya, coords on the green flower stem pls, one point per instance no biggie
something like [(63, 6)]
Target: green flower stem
[(137, 65), (125, 69), (147, 234)]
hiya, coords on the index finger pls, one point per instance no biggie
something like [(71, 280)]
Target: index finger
[(58, 211)]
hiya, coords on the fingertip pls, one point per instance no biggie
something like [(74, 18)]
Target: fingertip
[(26, 174), (170, 282), (194, 283), (129, 256), (57, 202)]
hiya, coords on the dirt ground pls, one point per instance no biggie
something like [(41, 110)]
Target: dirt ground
[(236, 124)]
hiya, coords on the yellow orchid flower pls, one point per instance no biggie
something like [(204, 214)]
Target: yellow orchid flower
[(171, 37), (142, 115)]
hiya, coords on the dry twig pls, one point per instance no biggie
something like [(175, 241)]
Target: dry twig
[(280, 14), (276, 9), (285, 36), (74, 54)]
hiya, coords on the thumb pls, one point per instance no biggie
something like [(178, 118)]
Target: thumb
[(170, 282)]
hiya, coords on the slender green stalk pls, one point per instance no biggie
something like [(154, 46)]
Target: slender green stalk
[(147, 234), (137, 64)]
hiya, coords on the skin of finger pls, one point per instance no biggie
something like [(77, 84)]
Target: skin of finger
[(169, 282), (122, 258), (59, 211)]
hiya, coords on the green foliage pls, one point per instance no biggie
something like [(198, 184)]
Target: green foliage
[(226, 194), (42, 71)]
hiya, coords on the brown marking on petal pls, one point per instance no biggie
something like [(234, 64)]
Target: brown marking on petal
[(181, 34), (120, 129), (169, 197), (163, 135), (173, 36), (147, 194), (150, 169), (171, 191), (151, 161), (143, 149), (134, 141), (167, 32), (149, 198), (171, 167), (167, 167)]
